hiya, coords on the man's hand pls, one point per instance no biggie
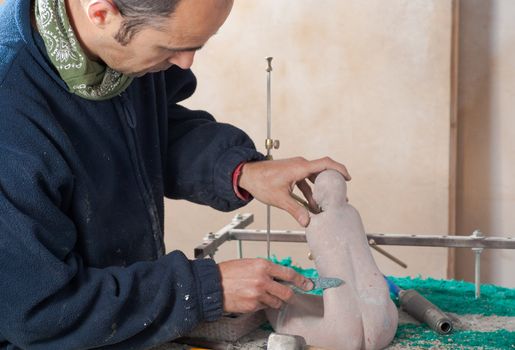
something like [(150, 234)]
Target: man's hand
[(273, 181), (248, 284)]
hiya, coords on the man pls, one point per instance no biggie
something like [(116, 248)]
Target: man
[(91, 140)]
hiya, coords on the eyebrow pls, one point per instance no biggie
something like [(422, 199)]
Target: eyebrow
[(183, 49)]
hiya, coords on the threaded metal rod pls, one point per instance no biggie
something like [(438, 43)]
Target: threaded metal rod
[(268, 142)]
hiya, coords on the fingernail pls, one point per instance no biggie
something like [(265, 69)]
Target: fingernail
[(304, 220), (308, 284)]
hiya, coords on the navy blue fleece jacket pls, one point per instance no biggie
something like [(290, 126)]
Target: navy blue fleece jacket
[(82, 183)]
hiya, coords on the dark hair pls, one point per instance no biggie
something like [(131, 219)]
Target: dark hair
[(138, 14)]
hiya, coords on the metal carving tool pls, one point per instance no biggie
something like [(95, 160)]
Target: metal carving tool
[(305, 204)]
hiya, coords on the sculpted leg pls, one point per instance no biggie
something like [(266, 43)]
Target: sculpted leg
[(358, 314)]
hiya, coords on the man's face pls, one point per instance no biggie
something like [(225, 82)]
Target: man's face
[(186, 31)]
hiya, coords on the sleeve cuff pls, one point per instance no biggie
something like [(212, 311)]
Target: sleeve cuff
[(241, 193), (209, 285), (224, 174)]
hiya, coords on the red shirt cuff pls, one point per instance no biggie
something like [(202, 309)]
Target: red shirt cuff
[(238, 191)]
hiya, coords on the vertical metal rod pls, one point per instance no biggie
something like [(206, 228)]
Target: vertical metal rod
[(268, 142), (240, 249), (477, 272), (477, 264), (268, 231), (269, 101)]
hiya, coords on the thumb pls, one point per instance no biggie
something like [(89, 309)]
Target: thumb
[(297, 210)]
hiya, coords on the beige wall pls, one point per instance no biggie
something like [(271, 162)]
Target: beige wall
[(486, 168), (364, 82)]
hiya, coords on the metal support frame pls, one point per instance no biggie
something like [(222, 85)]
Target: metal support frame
[(472, 241), (213, 240), (477, 241)]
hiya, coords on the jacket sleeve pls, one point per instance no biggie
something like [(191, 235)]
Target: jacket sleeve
[(49, 299), (202, 153)]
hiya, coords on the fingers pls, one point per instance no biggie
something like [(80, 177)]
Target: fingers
[(289, 275), (271, 182), (249, 285), (308, 194), (272, 301), (279, 292), (318, 165), (276, 294), (296, 210)]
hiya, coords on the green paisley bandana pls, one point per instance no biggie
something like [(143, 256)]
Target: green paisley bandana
[(84, 77)]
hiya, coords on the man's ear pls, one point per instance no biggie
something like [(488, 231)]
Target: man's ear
[(102, 12)]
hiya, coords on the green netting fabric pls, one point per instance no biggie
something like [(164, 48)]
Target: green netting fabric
[(414, 336), (458, 296)]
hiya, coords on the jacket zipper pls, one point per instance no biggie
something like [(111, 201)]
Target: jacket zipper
[(143, 182)]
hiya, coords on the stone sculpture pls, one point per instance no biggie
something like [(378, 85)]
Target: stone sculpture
[(357, 315)]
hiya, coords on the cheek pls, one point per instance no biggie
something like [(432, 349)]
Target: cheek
[(152, 58), (138, 54)]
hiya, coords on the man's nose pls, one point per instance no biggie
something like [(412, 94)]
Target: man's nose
[(183, 59)]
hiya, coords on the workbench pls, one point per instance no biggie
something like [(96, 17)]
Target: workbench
[(486, 323), (483, 315)]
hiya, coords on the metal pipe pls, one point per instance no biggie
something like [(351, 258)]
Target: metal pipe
[(424, 311), (393, 258), (387, 239)]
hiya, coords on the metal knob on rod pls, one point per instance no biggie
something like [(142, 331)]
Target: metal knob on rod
[(269, 142)]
